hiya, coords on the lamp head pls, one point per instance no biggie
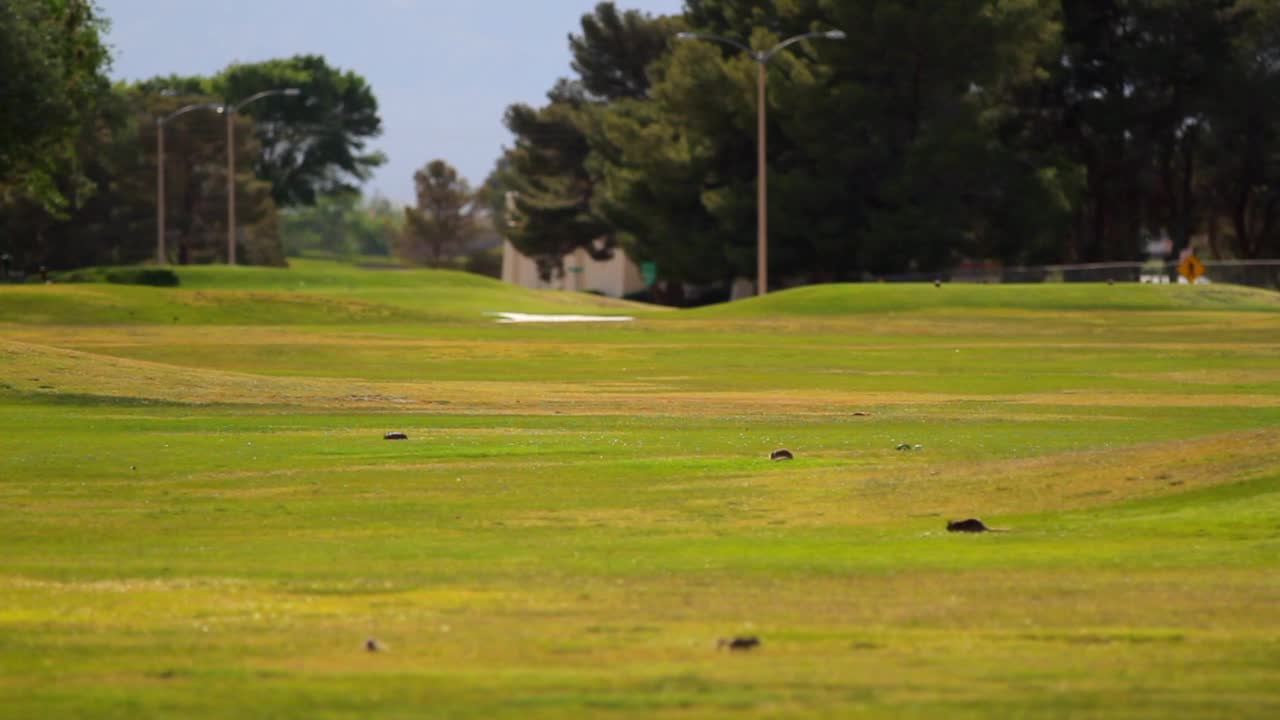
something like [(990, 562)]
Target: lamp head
[(686, 36), (834, 35), (292, 92)]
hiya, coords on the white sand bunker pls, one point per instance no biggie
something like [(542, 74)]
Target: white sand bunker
[(515, 317)]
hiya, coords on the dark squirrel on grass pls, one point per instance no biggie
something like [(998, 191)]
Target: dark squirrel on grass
[(971, 525), (782, 454), (738, 642), (395, 435)]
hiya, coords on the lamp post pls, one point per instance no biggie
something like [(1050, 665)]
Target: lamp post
[(161, 255), (231, 110), (762, 58)]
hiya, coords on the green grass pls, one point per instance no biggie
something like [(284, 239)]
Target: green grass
[(201, 518), (310, 292), (1054, 297)]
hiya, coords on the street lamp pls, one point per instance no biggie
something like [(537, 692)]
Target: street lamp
[(762, 58), (161, 255), (231, 110)]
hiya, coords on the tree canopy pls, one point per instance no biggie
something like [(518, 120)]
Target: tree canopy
[(935, 134), (342, 224), (311, 144), (79, 179), (315, 143), (114, 221), (551, 172), (1015, 131), (443, 219), (52, 73)]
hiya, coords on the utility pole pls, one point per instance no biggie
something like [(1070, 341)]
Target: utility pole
[(162, 255), (762, 58), (231, 111)]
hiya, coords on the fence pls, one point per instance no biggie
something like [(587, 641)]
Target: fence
[(1255, 273)]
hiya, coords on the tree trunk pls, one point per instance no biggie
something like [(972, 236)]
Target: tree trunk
[(1188, 202), (1098, 233), (1240, 218), (1215, 241)]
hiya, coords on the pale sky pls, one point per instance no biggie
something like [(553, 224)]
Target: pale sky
[(444, 71)]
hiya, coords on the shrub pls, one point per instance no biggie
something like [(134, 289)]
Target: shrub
[(156, 277)]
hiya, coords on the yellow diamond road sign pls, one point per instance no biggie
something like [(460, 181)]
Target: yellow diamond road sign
[(1191, 268)]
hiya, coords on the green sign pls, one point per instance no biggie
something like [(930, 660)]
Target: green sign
[(649, 271)]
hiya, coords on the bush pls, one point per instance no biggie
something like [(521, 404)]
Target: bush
[(155, 277), (485, 262)]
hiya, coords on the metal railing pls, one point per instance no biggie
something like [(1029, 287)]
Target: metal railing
[(1254, 273)]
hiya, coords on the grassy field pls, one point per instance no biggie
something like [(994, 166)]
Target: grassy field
[(199, 516)]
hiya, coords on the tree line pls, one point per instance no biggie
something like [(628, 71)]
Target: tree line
[(79, 155), (1019, 131)]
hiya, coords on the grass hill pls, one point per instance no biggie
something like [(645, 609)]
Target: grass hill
[(327, 292), (309, 292), (843, 299)]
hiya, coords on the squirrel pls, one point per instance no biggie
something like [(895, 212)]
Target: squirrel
[(739, 642), (971, 525)]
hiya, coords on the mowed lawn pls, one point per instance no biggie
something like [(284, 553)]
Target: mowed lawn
[(200, 518)]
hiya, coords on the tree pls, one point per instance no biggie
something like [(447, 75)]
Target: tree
[(888, 153), (613, 54), (663, 173), (550, 173), (1133, 95), (196, 182), (344, 225), (699, 140), (443, 219), (79, 225), (550, 184), (918, 112), (1025, 131), (741, 18), (314, 144), (1241, 163), (54, 63), (377, 226), (113, 219)]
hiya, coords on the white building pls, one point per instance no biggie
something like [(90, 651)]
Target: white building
[(615, 277)]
